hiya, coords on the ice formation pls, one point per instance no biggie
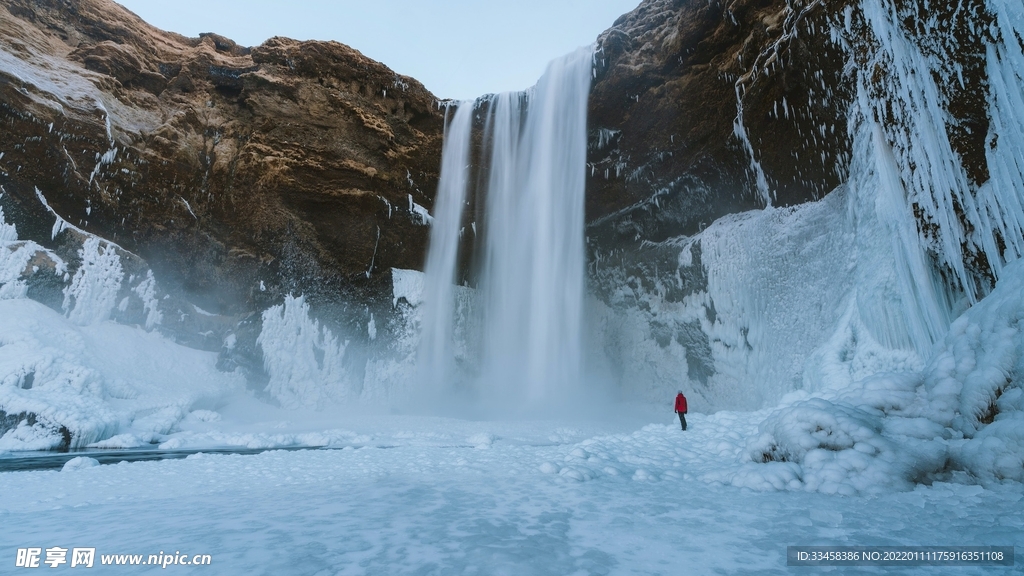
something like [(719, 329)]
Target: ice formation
[(304, 360), (77, 379), (92, 295), (68, 385), (962, 414), (840, 312)]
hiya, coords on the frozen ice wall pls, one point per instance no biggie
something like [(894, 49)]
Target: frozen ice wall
[(879, 327), (902, 79), (532, 271), (70, 377), (949, 237), (869, 278), (304, 360)]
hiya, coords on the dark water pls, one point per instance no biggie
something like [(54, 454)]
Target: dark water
[(19, 461)]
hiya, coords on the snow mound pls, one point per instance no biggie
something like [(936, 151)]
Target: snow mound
[(119, 442), (837, 449), (78, 463), (482, 440), (963, 413), (63, 385), (975, 383)]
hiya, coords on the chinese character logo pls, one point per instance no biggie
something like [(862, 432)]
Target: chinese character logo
[(56, 556), (83, 557), (28, 557)]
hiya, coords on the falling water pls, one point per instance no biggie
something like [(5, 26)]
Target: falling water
[(436, 360), (531, 283)]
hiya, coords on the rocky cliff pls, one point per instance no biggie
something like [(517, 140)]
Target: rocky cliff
[(701, 109), (197, 182), (854, 164), (239, 174), (750, 162)]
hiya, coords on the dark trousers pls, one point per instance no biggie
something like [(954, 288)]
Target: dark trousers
[(682, 419)]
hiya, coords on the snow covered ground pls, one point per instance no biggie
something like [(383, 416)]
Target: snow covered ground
[(602, 493), (929, 455), (430, 495)]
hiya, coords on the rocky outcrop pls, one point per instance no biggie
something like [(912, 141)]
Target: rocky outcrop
[(238, 174), (702, 109), (884, 136)]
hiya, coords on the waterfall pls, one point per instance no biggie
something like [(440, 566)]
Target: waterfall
[(436, 363), (531, 282)]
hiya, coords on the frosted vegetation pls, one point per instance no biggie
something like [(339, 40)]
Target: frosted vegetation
[(836, 347)]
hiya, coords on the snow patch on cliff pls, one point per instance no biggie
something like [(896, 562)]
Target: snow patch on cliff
[(19, 260)]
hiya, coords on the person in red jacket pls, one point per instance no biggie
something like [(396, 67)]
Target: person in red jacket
[(681, 408)]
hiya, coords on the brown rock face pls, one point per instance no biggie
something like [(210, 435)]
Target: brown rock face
[(291, 165), (668, 155)]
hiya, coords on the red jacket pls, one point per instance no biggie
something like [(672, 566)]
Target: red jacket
[(680, 403)]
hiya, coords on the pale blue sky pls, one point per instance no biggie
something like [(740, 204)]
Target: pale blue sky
[(457, 48)]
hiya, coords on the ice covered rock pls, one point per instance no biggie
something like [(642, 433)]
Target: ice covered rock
[(199, 120), (63, 385), (838, 448), (79, 463), (975, 383), (963, 412)]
